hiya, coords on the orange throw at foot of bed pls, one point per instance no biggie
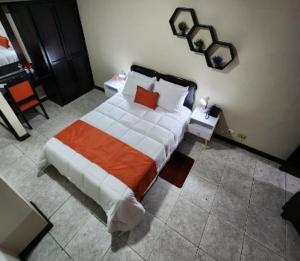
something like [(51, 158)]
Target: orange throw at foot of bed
[(127, 164)]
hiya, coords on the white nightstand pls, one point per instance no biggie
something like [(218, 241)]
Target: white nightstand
[(202, 127), (111, 87)]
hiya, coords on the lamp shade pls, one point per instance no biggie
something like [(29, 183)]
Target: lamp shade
[(204, 101), (122, 75)]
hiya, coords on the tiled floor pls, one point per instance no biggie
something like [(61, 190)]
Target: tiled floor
[(228, 208)]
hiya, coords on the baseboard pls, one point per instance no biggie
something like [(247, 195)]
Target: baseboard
[(99, 88), (250, 149), (39, 237)]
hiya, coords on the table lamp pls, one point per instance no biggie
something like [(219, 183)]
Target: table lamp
[(204, 103)]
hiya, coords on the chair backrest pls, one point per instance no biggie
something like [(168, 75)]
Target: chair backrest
[(21, 91)]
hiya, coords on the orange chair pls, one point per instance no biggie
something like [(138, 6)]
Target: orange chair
[(25, 98)]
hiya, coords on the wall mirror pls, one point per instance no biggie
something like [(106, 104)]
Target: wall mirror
[(9, 61), (11, 54)]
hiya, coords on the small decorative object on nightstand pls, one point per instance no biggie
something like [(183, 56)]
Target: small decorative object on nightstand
[(204, 103), (201, 125), (111, 87)]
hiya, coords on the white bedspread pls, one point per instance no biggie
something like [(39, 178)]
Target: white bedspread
[(7, 56), (154, 133)]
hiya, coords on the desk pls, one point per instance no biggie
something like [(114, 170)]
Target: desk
[(14, 78), (6, 113), (23, 76)]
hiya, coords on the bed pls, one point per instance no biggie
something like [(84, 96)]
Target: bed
[(7, 56), (154, 133)]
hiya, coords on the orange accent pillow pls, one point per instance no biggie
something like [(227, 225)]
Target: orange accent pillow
[(4, 42), (146, 98)]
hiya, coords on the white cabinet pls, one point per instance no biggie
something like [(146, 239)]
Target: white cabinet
[(202, 125), (111, 87)]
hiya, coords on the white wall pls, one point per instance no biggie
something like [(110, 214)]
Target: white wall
[(259, 96)]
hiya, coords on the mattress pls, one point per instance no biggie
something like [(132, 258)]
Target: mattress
[(7, 56), (154, 133)]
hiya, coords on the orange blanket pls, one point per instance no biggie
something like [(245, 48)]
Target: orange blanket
[(127, 164)]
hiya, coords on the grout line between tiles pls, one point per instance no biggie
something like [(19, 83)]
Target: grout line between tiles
[(158, 237), (107, 250), (75, 234), (199, 248), (177, 232), (131, 247), (82, 225), (62, 248), (248, 208), (59, 207), (245, 232), (266, 247)]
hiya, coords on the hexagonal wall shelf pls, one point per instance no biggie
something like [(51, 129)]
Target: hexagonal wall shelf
[(182, 14), (219, 55), (201, 37)]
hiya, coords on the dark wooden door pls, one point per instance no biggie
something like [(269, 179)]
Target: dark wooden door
[(73, 39), (70, 27), (66, 80), (42, 14), (57, 48), (83, 73)]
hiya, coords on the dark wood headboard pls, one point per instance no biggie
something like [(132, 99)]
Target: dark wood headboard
[(192, 87)]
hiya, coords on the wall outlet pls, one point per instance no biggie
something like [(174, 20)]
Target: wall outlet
[(242, 136), (228, 131), (231, 131)]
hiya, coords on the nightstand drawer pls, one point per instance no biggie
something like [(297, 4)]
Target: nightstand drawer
[(204, 124), (200, 131)]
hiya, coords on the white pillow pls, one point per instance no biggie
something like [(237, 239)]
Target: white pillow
[(171, 96), (135, 79)]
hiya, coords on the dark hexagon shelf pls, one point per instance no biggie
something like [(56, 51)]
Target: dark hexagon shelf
[(218, 50), (187, 13), (204, 33)]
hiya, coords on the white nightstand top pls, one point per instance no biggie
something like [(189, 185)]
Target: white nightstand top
[(118, 85), (199, 116)]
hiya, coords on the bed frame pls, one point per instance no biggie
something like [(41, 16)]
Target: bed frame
[(192, 87)]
